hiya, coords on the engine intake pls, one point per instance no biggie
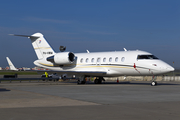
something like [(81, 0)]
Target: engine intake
[(62, 58)]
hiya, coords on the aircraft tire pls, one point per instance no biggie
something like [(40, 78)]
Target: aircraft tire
[(78, 82), (99, 81), (81, 82), (153, 83), (96, 81)]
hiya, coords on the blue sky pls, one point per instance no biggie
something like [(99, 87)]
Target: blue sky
[(96, 25)]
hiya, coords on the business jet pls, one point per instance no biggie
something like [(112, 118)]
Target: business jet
[(97, 64), (11, 66)]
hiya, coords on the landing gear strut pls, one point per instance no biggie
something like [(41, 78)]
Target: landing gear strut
[(81, 80), (99, 80)]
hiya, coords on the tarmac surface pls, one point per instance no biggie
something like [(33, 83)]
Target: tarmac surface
[(110, 100)]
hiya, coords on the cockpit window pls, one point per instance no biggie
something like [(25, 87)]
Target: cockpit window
[(146, 57)]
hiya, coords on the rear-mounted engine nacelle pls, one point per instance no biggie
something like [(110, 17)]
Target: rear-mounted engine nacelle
[(62, 58)]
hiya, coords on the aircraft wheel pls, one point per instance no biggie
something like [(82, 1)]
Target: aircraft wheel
[(153, 83), (78, 82), (81, 82), (96, 81), (99, 81)]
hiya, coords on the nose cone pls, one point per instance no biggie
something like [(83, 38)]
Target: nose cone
[(169, 68), (166, 67)]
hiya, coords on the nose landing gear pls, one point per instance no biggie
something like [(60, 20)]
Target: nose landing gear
[(153, 83)]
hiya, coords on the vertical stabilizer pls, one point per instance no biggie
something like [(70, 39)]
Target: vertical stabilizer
[(11, 65), (40, 45)]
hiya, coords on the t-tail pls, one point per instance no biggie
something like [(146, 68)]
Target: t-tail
[(11, 66), (40, 45)]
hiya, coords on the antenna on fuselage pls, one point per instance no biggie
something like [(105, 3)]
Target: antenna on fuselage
[(125, 49), (62, 48), (87, 51)]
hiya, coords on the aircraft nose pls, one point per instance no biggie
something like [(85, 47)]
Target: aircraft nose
[(165, 67), (169, 68)]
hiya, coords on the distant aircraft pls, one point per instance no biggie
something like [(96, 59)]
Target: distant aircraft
[(11, 66), (96, 64)]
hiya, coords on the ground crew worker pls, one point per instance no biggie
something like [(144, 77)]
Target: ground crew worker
[(46, 74)]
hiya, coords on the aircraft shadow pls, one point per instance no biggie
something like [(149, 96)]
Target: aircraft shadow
[(4, 90)]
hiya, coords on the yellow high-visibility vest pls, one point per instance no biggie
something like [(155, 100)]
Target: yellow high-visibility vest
[(46, 74)]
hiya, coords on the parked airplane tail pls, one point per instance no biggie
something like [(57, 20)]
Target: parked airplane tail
[(11, 65), (40, 45)]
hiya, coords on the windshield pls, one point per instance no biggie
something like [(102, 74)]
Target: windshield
[(146, 57)]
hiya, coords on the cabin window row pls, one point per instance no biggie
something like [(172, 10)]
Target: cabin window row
[(104, 60)]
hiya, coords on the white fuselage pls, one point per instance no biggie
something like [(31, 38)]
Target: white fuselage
[(112, 63), (96, 64)]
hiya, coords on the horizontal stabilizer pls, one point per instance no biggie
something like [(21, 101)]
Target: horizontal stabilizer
[(29, 36)]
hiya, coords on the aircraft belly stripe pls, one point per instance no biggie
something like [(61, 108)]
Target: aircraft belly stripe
[(100, 66)]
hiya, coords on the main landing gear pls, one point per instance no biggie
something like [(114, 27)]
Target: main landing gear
[(81, 80), (99, 80)]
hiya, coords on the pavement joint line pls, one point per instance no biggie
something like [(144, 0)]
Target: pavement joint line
[(43, 100)]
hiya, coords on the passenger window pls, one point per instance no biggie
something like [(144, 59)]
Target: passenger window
[(81, 60), (104, 59), (98, 60), (110, 59), (122, 59), (116, 59), (87, 60), (92, 60)]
